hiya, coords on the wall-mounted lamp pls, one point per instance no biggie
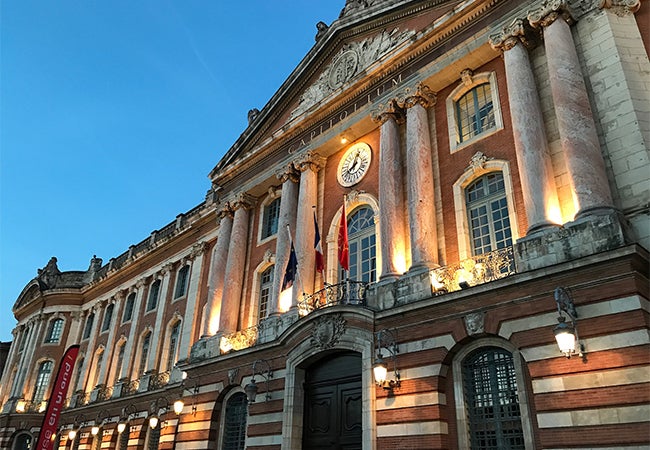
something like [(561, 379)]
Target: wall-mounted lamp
[(158, 408), (127, 413), (194, 390), (72, 434), (566, 334), (100, 420), (385, 340), (76, 426), (252, 388)]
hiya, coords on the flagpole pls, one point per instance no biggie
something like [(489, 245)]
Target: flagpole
[(300, 287), (322, 273), (347, 238)]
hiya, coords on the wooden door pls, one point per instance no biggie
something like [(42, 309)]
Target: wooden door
[(333, 404)]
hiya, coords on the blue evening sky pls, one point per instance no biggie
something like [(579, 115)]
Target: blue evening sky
[(112, 113)]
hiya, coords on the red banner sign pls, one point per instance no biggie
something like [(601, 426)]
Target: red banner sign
[(57, 400)]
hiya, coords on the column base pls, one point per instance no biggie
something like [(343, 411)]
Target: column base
[(536, 228), (588, 235)]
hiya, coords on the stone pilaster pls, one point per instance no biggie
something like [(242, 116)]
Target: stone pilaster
[(110, 343), (165, 275), (391, 195), (576, 124), (217, 271), (129, 352), (308, 164), (235, 265), (533, 159), (191, 321), (419, 179), (289, 177)]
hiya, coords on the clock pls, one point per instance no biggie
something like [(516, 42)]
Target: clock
[(354, 164)]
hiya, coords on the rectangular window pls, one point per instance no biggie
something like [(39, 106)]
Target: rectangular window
[(154, 291), (128, 308), (181, 282), (42, 380), (108, 317), (89, 326), (144, 355), (54, 332), (271, 219)]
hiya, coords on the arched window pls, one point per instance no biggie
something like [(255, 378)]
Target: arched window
[(128, 307), (22, 441), (54, 331), (42, 380), (181, 282), (144, 353), (172, 350), (234, 426), (270, 219), (98, 367), (266, 286), (108, 317), (363, 248), (153, 437), (154, 292), (89, 325), (491, 400), (487, 210), (475, 112), (123, 439)]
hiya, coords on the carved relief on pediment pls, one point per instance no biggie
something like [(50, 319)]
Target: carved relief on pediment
[(352, 59)]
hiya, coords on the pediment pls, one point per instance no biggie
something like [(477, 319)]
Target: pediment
[(353, 51)]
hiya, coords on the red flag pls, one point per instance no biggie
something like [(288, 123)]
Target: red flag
[(344, 247), (320, 264), (56, 402)]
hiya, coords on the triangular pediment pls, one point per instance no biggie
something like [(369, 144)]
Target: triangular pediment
[(354, 50)]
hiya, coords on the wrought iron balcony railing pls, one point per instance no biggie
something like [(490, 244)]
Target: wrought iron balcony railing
[(345, 293), (473, 271)]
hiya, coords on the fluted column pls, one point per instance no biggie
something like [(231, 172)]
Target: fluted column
[(391, 194), (190, 324), (288, 209), (419, 179), (574, 117), (533, 159), (234, 277), (309, 164), (217, 271)]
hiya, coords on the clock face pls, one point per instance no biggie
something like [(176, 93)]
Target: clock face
[(354, 164)]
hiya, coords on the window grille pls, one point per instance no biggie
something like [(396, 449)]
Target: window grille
[(491, 399), (234, 434)]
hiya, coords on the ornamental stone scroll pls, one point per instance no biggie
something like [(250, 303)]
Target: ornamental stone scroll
[(549, 12), (388, 110), (310, 160), (519, 30)]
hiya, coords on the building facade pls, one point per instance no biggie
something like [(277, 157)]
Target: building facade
[(489, 162)]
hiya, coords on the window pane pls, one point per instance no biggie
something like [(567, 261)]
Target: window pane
[(271, 218), (266, 286), (361, 237), (153, 295), (492, 403), (234, 433), (128, 308), (475, 112), (42, 380), (488, 217)]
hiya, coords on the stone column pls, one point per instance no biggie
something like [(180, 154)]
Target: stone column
[(128, 367), (158, 327), (308, 164), (217, 271), (110, 343), (419, 179), (391, 195), (288, 210), (574, 117), (234, 277), (190, 323), (533, 159)]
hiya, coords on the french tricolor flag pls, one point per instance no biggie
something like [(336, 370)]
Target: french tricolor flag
[(320, 264)]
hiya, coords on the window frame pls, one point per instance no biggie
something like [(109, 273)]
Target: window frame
[(357, 238), (152, 301), (108, 317), (182, 275), (459, 393), (51, 328), (171, 346), (129, 305), (467, 85), (42, 381), (274, 196), (265, 291), (222, 427), (470, 175), (88, 327)]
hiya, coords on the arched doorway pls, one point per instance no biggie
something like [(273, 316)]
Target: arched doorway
[(22, 441), (333, 403)]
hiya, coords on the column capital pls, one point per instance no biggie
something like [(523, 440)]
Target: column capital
[(140, 283), (224, 210), (388, 110), (549, 12), (519, 30), (164, 270), (288, 172), (198, 249), (241, 200), (421, 94), (621, 7), (310, 160)]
